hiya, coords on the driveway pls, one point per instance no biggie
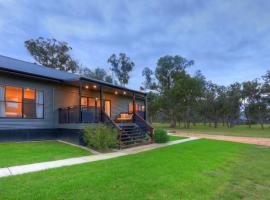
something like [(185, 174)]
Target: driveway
[(248, 140)]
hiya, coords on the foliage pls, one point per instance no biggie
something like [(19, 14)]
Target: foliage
[(179, 96), (100, 137), (161, 136), (98, 73), (52, 53), (121, 66)]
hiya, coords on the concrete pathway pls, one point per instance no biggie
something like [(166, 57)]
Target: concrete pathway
[(248, 140), (22, 169)]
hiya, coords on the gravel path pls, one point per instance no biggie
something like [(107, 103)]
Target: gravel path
[(248, 140)]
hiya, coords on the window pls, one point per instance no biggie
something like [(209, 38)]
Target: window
[(13, 101), (92, 102), (84, 101), (130, 108), (29, 103), (21, 103)]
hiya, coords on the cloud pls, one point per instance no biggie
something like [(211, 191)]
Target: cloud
[(229, 40)]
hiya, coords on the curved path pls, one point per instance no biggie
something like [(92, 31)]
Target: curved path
[(248, 140)]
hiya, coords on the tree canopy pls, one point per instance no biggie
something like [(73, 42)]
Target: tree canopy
[(52, 53), (121, 67)]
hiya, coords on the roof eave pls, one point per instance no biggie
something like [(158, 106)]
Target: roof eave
[(111, 85)]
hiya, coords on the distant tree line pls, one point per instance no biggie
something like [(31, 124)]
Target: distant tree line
[(177, 96)]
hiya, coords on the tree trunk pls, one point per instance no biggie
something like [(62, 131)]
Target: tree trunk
[(261, 121), (173, 120), (204, 121), (216, 124)]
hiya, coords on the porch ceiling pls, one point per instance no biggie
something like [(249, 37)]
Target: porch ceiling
[(107, 88)]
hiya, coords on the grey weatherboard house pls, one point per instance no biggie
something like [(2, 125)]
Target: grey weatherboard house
[(40, 103)]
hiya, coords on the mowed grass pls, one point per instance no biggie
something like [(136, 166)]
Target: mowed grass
[(175, 137), (239, 130), (31, 152), (201, 169)]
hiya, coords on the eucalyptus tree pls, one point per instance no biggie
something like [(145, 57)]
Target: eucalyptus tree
[(97, 73), (171, 70), (255, 105), (121, 67), (233, 103), (52, 53)]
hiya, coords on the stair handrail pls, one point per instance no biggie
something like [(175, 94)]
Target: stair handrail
[(151, 129), (111, 121)]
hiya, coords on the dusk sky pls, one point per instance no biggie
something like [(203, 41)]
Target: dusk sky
[(228, 40)]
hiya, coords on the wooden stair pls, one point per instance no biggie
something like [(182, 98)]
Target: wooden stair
[(132, 135)]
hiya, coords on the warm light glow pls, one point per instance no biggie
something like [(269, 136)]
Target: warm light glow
[(94, 86), (116, 93), (29, 94), (86, 86), (124, 93)]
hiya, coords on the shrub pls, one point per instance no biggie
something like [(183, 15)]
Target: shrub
[(100, 137), (161, 136)]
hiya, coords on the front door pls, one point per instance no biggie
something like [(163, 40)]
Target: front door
[(107, 107)]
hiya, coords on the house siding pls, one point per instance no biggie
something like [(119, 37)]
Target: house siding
[(19, 123)]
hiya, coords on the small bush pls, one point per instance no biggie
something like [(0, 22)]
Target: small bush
[(100, 137), (161, 136)]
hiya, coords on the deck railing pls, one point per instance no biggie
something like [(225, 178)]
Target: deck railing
[(73, 114)]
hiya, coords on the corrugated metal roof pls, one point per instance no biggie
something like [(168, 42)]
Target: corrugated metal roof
[(35, 69), (19, 66)]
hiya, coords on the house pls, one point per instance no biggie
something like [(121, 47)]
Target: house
[(40, 103)]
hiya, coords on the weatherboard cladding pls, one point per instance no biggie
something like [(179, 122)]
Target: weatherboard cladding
[(19, 123)]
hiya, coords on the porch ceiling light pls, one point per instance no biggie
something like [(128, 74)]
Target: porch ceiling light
[(116, 93), (86, 86), (94, 86), (124, 92)]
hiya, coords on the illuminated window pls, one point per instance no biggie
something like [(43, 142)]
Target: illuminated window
[(13, 100), (130, 108), (98, 103), (143, 108), (84, 101), (29, 103), (92, 102), (18, 102)]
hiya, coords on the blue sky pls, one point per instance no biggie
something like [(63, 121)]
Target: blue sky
[(228, 40)]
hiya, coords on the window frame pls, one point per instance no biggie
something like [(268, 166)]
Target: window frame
[(22, 102)]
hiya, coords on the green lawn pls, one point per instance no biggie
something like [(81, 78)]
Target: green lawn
[(240, 130), (201, 169), (31, 152), (175, 137)]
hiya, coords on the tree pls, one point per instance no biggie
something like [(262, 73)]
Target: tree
[(98, 73), (255, 104), (121, 66), (169, 71), (149, 82), (52, 53), (233, 103)]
